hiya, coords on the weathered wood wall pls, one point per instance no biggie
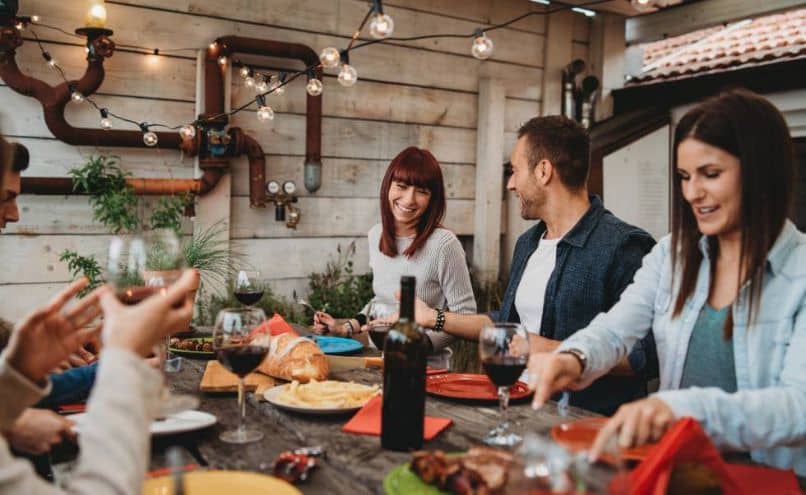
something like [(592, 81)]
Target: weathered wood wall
[(421, 93)]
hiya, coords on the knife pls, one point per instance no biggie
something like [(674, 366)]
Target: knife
[(344, 363)]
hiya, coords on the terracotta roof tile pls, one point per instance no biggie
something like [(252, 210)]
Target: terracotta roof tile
[(760, 41)]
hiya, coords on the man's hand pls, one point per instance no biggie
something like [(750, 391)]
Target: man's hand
[(37, 430), (51, 334)]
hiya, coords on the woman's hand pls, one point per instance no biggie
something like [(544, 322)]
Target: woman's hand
[(550, 373), (138, 328), (424, 315), (637, 423), (37, 430), (324, 324), (49, 335)]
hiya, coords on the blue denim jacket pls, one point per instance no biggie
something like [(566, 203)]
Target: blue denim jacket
[(596, 260), (767, 415)]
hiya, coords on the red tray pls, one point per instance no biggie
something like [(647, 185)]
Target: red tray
[(579, 435), (470, 387)]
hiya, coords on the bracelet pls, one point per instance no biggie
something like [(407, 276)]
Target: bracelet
[(350, 327), (440, 323)]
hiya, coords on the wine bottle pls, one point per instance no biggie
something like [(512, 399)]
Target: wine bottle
[(404, 357)]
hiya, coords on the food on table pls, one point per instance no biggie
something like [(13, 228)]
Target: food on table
[(327, 394), (296, 465), (479, 472), (295, 358), (197, 345)]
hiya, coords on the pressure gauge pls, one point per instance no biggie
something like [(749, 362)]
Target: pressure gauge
[(272, 187), (289, 187)]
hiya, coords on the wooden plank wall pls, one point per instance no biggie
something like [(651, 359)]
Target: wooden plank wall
[(420, 93)]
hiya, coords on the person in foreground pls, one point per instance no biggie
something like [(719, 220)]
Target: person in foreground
[(570, 266), (114, 440), (410, 240), (724, 296)]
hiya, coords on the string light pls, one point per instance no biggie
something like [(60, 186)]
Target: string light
[(76, 95), (278, 84), (381, 25), (187, 131), (106, 122), (314, 86), (249, 82), (482, 47), (154, 58), (20, 26), (329, 57), (149, 138), (264, 112), (641, 5)]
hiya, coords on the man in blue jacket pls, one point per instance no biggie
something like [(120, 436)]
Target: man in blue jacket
[(570, 266)]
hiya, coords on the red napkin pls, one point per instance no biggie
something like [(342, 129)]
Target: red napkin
[(687, 442), (273, 326), (367, 421)]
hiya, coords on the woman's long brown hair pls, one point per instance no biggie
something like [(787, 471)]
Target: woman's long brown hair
[(419, 168), (750, 128)]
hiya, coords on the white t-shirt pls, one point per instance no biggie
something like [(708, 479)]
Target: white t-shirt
[(532, 290)]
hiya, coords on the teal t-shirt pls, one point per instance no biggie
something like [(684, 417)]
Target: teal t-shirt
[(709, 360)]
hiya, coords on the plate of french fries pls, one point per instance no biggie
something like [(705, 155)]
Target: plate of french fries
[(325, 397)]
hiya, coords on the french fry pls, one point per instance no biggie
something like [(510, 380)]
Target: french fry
[(327, 394)]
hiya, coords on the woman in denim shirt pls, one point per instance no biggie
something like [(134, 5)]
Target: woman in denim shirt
[(731, 279)]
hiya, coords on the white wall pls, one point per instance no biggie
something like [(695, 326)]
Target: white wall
[(422, 93), (636, 183)]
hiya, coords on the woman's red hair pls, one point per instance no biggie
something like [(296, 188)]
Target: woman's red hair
[(416, 167)]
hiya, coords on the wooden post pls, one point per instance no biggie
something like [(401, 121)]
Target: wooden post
[(489, 178), (215, 206), (607, 47)]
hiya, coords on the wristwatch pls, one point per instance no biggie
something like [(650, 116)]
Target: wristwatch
[(581, 357)]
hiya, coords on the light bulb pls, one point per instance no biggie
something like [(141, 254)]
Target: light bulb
[(642, 5), (150, 138), (348, 75), (52, 62), (329, 57), (381, 26), (314, 87), (213, 45), (244, 71), (222, 60), (34, 18), (77, 96), (262, 86), (482, 47), (187, 131), (106, 123), (265, 113), (276, 86), (249, 82), (96, 14), (20, 26)]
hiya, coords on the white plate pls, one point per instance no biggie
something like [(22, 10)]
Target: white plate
[(271, 397), (178, 423)]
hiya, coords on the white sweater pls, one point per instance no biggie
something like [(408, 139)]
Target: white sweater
[(114, 440), (440, 267)]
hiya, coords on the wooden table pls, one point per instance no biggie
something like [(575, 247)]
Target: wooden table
[(355, 464)]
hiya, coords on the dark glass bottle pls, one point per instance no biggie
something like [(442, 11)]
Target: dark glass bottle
[(404, 356)]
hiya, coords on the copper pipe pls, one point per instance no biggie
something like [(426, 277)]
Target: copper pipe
[(247, 145), (143, 187)]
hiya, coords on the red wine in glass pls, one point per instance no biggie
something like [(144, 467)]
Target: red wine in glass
[(133, 295), (248, 297), (504, 371), (241, 360), (378, 333)]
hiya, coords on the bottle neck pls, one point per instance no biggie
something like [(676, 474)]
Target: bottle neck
[(407, 303)]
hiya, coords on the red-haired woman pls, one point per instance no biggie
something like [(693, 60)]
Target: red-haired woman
[(410, 240)]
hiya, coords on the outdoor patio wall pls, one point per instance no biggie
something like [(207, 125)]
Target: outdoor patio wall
[(420, 93)]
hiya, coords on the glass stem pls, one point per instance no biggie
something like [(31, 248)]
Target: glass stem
[(503, 405), (241, 405)]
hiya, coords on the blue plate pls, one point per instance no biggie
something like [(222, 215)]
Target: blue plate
[(337, 345)]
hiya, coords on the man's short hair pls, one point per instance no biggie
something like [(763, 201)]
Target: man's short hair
[(19, 157), (561, 141)]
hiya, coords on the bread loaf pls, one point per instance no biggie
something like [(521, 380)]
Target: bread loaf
[(294, 358)]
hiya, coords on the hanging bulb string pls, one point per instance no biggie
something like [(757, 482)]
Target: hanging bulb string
[(306, 71)]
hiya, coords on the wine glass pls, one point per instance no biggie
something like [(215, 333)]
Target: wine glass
[(380, 318), (504, 353), (240, 351), (249, 288), (140, 266)]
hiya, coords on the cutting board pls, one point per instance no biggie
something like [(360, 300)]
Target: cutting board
[(217, 379)]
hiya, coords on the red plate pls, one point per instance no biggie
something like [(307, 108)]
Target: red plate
[(579, 435), (470, 386)]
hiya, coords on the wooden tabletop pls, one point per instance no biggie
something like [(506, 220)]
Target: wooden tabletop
[(355, 464)]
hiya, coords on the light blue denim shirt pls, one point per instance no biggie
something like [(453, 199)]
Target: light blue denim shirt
[(767, 414)]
